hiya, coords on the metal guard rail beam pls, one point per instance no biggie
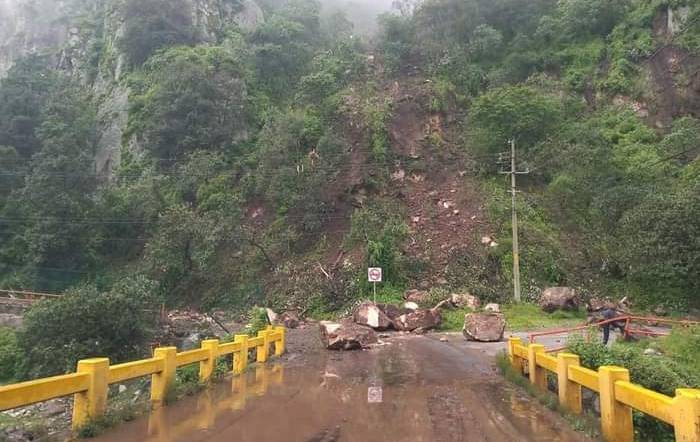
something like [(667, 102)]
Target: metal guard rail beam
[(90, 384), (626, 319), (618, 396)]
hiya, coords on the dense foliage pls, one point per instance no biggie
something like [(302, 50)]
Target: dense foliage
[(85, 323), (610, 200)]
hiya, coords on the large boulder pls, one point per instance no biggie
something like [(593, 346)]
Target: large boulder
[(394, 311), (484, 327), (410, 306), (559, 298), (290, 319), (419, 319), (492, 308), (346, 335), (416, 296), (272, 317), (465, 301), (371, 315)]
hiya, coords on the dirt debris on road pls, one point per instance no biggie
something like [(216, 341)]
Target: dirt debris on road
[(413, 388)]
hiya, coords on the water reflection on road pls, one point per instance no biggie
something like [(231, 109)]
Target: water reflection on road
[(414, 389)]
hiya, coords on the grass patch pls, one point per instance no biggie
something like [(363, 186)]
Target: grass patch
[(585, 423), (527, 317), (453, 320), (117, 414)]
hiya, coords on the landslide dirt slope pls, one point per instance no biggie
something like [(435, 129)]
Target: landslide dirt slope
[(434, 178), (431, 176)]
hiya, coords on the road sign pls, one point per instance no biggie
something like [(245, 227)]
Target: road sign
[(374, 274), (374, 395)]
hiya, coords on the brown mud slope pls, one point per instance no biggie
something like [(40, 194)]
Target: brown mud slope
[(675, 74), (434, 178)]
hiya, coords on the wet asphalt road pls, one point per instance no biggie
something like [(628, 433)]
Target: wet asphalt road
[(413, 388)]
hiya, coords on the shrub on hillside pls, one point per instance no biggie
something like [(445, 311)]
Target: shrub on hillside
[(86, 323), (9, 354)]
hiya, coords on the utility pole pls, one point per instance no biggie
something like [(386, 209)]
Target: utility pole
[(516, 246)]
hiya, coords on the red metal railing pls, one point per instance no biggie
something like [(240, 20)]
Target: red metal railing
[(628, 330)]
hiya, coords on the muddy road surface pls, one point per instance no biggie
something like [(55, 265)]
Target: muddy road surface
[(412, 388)]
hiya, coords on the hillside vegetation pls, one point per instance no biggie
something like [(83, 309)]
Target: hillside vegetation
[(270, 165)]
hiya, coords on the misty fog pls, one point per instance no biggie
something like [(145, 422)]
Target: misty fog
[(362, 13)]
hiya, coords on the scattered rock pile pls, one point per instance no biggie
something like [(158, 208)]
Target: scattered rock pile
[(289, 319), (465, 301), (371, 315), (559, 298), (417, 296), (419, 321), (185, 329)]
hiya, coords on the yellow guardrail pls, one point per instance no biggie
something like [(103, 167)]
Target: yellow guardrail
[(618, 396), (90, 384)]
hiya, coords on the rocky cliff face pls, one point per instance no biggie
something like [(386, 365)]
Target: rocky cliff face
[(82, 37), (29, 26)]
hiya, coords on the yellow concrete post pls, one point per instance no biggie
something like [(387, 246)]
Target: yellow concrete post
[(163, 381), (239, 387), (261, 380), (91, 404), (207, 366), (158, 428), (515, 361), (538, 375), (569, 392), (206, 416), (686, 415), (281, 343), (615, 417), (277, 377), (263, 349), (240, 359)]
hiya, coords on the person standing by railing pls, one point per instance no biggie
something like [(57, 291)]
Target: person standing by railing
[(611, 312)]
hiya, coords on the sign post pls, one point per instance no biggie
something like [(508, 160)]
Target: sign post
[(374, 275)]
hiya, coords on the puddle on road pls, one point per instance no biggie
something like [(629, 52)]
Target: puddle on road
[(408, 391)]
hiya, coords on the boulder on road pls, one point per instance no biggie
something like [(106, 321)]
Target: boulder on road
[(272, 317), (371, 315), (410, 306), (290, 319), (559, 298), (492, 308), (416, 296), (465, 301), (346, 335), (484, 327), (392, 311), (419, 319)]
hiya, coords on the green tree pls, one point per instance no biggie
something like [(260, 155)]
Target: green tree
[(155, 24), (87, 323), (191, 98), (285, 44), (486, 42), (519, 112), (23, 96), (46, 219)]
